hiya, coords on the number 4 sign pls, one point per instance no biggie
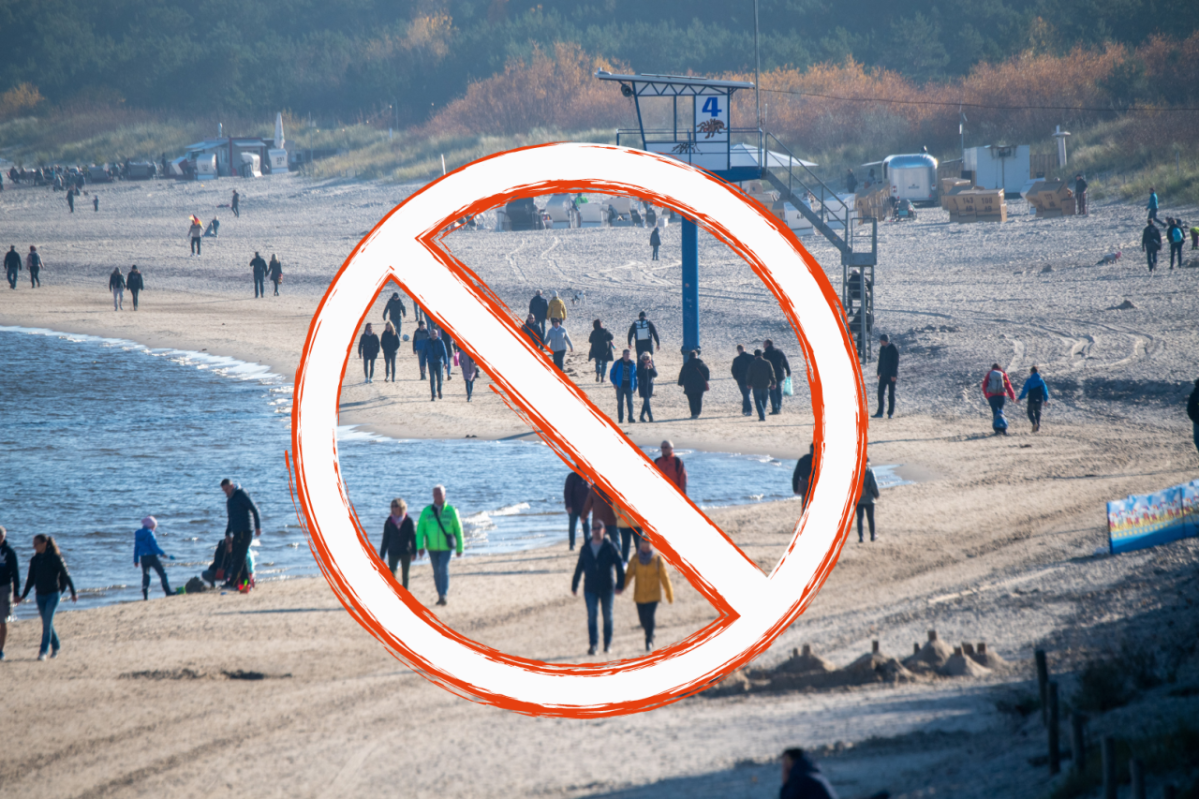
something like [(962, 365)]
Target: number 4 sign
[(753, 607), (712, 118)]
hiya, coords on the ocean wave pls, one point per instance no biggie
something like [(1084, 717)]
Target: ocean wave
[(510, 510)]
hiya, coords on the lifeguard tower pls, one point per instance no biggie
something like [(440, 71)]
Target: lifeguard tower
[(688, 118)]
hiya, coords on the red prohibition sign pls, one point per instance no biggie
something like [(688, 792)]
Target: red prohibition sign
[(753, 607)]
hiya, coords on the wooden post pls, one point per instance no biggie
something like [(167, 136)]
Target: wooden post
[(982, 649), (967, 648), (1055, 752), (1078, 741), (807, 649), (1108, 750), (874, 647), (932, 635), (1137, 770), (1043, 683), (916, 649)]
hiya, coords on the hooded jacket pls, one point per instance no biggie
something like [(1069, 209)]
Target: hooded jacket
[(649, 580), (616, 373), (806, 782), (869, 488), (1035, 387), (596, 570), (557, 309), (145, 543)]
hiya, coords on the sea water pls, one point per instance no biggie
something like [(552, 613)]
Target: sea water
[(98, 433)]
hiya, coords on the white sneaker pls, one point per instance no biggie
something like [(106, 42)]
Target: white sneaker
[(41, 656)]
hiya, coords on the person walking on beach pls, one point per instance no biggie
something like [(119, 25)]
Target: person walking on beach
[(624, 377), (146, 553), (258, 265), (48, 575), (71, 200), (10, 584), (997, 389), (558, 340), (801, 478), (539, 309), (33, 262), (1151, 243), (646, 373), (395, 311), (535, 334), (1080, 194), (866, 500), (672, 466), (556, 309), (597, 560), (96, 203), (12, 265), (649, 577), (693, 377), (600, 350), (644, 334), (1038, 394), (802, 778), (239, 508), (599, 510), (194, 233), (574, 498), (888, 374), (368, 351), (655, 241), (134, 283), (436, 354), (399, 540), (390, 343), (470, 372), (420, 339), (1193, 412), (440, 532), (760, 377), (1152, 205), (116, 283), (274, 271), (740, 371), (782, 373), (1177, 238), (236, 207)]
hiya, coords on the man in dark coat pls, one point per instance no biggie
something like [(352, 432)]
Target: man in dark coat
[(574, 497), (12, 265), (540, 307), (888, 373), (693, 377), (802, 477), (741, 375), (644, 334), (239, 508), (802, 778), (1080, 194), (395, 310), (258, 264), (655, 241), (597, 558), (761, 379), (1193, 412), (782, 370), (1151, 242), (420, 339), (436, 356)]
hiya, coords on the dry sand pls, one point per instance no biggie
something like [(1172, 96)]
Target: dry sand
[(993, 542)]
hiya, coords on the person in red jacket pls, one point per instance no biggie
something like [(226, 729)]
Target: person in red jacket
[(998, 389), (672, 466)]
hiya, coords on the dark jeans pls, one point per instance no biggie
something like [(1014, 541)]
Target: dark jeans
[(135, 292), (152, 562), (236, 211), (868, 510), (1034, 411), (746, 406), (389, 366), (1195, 432), (440, 559), (624, 396), (646, 410), (776, 398), (1151, 257), (241, 546), (12, 279), (629, 541), (574, 523), (35, 281), (470, 388), (404, 562), (594, 601), (276, 282), (47, 605), (1175, 250), (1080, 200), (601, 369), (645, 612), (195, 245), (996, 404), (643, 346), (435, 376), (560, 359), (368, 368), (420, 357), (886, 386), (654, 257), (761, 395), (259, 286), (696, 401)]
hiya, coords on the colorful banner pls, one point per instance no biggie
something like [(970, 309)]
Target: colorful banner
[(1146, 521)]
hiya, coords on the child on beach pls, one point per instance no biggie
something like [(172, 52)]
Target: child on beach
[(146, 553)]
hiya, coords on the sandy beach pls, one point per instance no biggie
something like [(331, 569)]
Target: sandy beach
[(994, 539)]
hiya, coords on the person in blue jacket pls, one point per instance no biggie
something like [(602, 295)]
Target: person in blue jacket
[(624, 377), (146, 553), (1038, 394), (1152, 206)]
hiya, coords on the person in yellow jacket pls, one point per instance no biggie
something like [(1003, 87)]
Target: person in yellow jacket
[(648, 575), (439, 531), (557, 309)]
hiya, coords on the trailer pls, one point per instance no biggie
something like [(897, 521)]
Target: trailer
[(912, 177), (998, 167)]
